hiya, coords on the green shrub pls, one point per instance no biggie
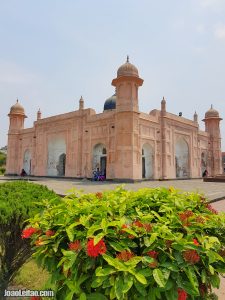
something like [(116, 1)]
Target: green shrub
[(2, 159), (2, 170), (150, 244), (18, 201)]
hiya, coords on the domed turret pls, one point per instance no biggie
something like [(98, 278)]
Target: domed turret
[(110, 103), (212, 113), (127, 69), (17, 109)]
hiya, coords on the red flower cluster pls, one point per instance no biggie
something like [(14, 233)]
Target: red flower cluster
[(200, 219), (35, 298), (75, 246), (195, 242), (125, 255), (185, 216), (28, 232), (50, 232), (153, 254), (137, 223), (99, 195), (182, 295), (95, 250), (169, 243), (153, 264), (191, 256), (130, 236), (211, 209)]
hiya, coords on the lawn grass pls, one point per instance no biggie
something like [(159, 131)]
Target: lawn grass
[(31, 277)]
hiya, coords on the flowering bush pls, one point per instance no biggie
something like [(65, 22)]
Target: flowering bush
[(150, 244), (19, 201)]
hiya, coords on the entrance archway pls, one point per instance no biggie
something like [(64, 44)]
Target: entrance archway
[(56, 157), (182, 159), (27, 162), (203, 162), (100, 159), (147, 162), (61, 165)]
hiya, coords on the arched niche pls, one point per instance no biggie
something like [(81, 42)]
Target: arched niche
[(99, 161), (147, 161), (182, 158), (56, 163), (27, 162)]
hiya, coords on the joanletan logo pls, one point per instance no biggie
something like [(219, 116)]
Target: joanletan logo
[(28, 293)]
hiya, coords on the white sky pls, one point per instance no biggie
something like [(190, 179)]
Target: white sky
[(52, 52)]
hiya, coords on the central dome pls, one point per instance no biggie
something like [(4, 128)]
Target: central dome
[(110, 103), (127, 69)]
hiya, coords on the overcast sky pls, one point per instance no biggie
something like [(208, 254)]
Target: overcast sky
[(54, 51)]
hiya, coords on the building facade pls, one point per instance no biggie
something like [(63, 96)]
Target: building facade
[(122, 142)]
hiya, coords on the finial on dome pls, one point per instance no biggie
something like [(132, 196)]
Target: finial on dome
[(163, 105), (81, 103), (39, 114), (195, 117), (127, 58), (17, 100), (211, 106)]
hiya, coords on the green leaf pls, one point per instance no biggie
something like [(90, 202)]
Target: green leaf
[(153, 238), (103, 272), (141, 289), (127, 282), (159, 278), (211, 269), (147, 259), (141, 278), (203, 276), (70, 232), (130, 231), (83, 296), (116, 246), (215, 281), (96, 296), (119, 287), (115, 263), (190, 272)]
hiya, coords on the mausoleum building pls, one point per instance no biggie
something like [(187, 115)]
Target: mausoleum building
[(123, 142)]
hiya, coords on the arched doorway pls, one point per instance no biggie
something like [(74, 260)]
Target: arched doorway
[(203, 162), (56, 157), (147, 162), (100, 159), (182, 159), (61, 167), (27, 162)]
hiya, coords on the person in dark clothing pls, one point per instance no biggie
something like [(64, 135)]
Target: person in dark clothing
[(205, 173), (23, 173)]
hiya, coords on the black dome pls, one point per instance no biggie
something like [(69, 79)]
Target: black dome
[(110, 103)]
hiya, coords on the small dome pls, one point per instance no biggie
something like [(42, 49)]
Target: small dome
[(212, 113), (127, 69), (110, 103), (17, 109)]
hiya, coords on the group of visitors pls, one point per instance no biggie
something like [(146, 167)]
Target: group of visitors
[(98, 175)]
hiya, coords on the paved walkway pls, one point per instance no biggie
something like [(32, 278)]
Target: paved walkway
[(214, 191)]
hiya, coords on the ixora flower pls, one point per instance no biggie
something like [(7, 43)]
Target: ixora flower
[(95, 250), (28, 232), (153, 254), (191, 256), (50, 232), (125, 255), (182, 295), (195, 242), (35, 298), (209, 207), (39, 242), (75, 246), (99, 195)]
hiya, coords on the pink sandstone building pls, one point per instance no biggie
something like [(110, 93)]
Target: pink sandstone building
[(124, 143)]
